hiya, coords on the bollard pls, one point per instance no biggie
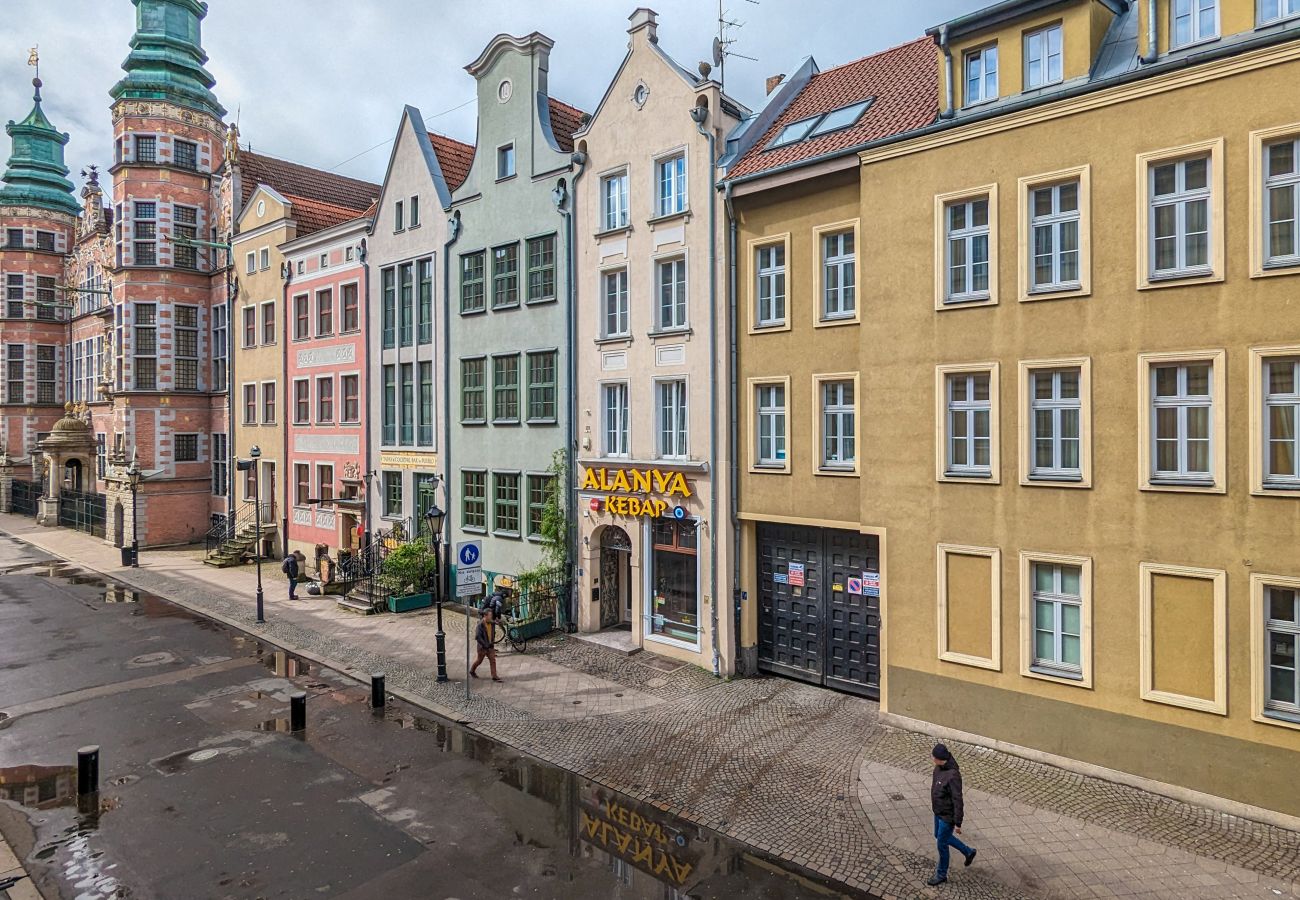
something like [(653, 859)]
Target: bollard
[(298, 711), (88, 770), (377, 690)]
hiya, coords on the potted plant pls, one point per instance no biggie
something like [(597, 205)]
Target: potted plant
[(407, 573)]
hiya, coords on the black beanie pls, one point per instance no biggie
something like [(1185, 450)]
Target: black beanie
[(941, 752)]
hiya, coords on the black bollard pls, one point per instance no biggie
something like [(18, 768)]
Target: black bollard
[(298, 711), (87, 770), (377, 690)]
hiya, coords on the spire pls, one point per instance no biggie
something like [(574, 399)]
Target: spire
[(166, 59), (36, 174)]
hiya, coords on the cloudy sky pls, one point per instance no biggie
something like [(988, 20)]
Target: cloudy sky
[(323, 81)]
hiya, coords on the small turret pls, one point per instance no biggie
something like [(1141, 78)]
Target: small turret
[(166, 59), (36, 174)]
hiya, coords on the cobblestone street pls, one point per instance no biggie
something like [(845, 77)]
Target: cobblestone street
[(801, 772)]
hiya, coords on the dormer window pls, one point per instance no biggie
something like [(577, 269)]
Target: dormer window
[(1043, 57), (826, 123), (982, 75), (1194, 21)]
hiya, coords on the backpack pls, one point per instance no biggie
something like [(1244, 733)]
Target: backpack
[(493, 602), (284, 566)]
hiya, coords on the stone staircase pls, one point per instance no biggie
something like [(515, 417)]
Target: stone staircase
[(238, 549), (366, 598)]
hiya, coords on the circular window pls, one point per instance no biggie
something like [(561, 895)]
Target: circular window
[(261, 208), (504, 89), (640, 95)]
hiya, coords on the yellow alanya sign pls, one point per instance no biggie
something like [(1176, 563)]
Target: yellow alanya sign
[(619, 483)]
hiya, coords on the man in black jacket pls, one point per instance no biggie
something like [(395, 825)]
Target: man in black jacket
[(946, 802)]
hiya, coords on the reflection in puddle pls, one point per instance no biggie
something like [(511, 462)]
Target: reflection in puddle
[(39, 787), (280, 725), (120, 593), (286, 665)]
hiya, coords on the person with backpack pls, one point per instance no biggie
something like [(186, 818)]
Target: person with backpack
[(947, 805), (496, 603), (291, 567), (484, 636)]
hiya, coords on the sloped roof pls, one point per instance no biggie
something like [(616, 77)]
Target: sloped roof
[(316, 215), (304, 182), (565, 120), (455, 158), (902, 82)]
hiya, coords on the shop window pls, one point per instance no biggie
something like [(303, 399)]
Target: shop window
[(674, 580)]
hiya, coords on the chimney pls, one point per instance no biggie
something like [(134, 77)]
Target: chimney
[(771, 84), (645, 19)]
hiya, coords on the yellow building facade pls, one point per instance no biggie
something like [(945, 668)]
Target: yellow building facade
[(1076, 395)]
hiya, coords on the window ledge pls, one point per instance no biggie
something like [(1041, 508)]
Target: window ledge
[(473, 529), (505, 422), (465, 313), (1182, 482), (972, 300), (474, 423), (511, 177), (832, 321), (513, 535), (684, 215), (1291, 488), (837, 471), (541, 301), (968, 476), (413, 226), (1280, 715), (504, 306), (612, 232), (614, 339), (1056, 673), (1282, 264), (541, 421), (685, 331), (1055, 479)]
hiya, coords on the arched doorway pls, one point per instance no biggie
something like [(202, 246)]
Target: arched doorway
[(72, 476), (615, 577)]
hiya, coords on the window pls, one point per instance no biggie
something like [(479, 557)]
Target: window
[(425, 436), (966, 257), (46, 298), (324, 313), (187, 448), (671, 415), (471, 282), (268, 322), (301, 267), (1275, 634), (399, 222), (505, 389), (15, 374), (406, 304), (505, 503), (269, 393), (613, 201), (839, 428), (264, 258), (614, 322), (406, 383), (793, 133), (1275, 10), (424, 314), (1180, 217), (250, 327), (840, 118), (675, 607), (1054, 241), (1275, 398), (250, 263), (671, 288), (1057, 617), (505, 276), (541, 387), (839, 277), (1281, 201), (415, 212), (472, 390), (389, 323), (146, 148), (46, 375), (1193, 21), (220, 347), (1054, 396), (301, 401), (769, 403), (969, 440), (146, 347), (350, 386), (301, 317), (539, 487), (615, 414), (186, 337), (390, 406), (670, 178), (14, 290), (1182, 413), (185, 154), (541, 268), (350, 307), (185, 227), (473, 500), (981, 75), (250, 404), (45, 241), (14, 238), (505, 161), (393, 495), (325, 399), (145, 234), (220, 464), (1043, 57), (325, 483), (769, 262), (301, 484)]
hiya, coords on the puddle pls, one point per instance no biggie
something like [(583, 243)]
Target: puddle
[(118, 593), (39, 787), (286, 665), (280, 725)]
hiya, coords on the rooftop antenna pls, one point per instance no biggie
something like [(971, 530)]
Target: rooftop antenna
[(722, 43)]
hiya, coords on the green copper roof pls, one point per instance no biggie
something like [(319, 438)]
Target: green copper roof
[(166, 59), (36, 174)]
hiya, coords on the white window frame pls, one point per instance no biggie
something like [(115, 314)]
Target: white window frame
[(845, 419), (614, 304), (1029, 665), (670, 184), (1213, 271), (506, 161), (839, 302), (1262, 482), (1216, 481), (1262, 709), (615, 421), (1193, 9), (1286, 9), (1057, 406), (1029, 473), (1082, 286), (987, 92), (672, 310), (1288, 182), (773, 416), (968, 234), (1181, 200), (672, 421), (1183, 403), (614, 214), (1058, 600), (250, 263), (1038, 48), (944, 410), (1055, 224), (773, 278)]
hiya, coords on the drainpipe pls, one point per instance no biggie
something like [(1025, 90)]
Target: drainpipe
[(1150, 56), (565, 205), (232, 292), (363, 254), (733, 439), (453, 235), (283, 412), (700, 115), (948, 106)]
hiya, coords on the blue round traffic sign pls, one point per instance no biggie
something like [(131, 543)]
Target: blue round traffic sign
[(469, 555)]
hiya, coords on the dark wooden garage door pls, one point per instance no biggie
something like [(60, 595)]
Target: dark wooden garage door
[(818, 631)]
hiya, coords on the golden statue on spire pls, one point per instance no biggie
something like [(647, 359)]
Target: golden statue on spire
[(34, 59)]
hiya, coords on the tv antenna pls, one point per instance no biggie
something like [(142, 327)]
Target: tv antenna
[(722, 43)]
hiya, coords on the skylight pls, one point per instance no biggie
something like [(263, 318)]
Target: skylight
[(794, 132), (816, 126)]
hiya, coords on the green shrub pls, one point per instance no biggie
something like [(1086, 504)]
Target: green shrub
[(409, 569)]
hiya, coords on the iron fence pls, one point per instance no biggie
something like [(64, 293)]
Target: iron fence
[(83, 511), (22, 499)]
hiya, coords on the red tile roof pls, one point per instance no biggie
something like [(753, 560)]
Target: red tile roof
[(454, 157), (565, 120), (316, 215), (302, 181), (904, 82)]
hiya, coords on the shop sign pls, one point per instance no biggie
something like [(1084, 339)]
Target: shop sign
[(637, 839), (796, 574), (871, 584), (408, 460), (638, 492)]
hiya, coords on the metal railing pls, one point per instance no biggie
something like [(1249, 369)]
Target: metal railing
[(229, 526)]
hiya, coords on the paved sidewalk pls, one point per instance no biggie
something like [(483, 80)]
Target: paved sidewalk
[(804, 773), (21, 887)]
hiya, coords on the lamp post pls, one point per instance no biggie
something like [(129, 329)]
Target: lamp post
[(133, 478), (255, 454), (435, 517)]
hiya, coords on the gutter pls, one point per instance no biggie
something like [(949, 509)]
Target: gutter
[(364, 253), (733, 439), (453, 235), (1151, 55), (283, 411), (232, 292)]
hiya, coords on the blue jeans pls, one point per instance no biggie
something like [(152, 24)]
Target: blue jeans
[(293, 588), (945, 838)]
